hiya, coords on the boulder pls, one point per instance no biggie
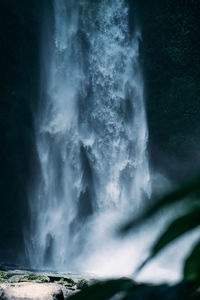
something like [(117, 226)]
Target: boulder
[(30, 290)]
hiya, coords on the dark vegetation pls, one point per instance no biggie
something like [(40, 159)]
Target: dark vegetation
[(170, 60), (189, 288)]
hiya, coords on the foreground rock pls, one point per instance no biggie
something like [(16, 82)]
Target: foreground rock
[(31, 290), (24, 285)]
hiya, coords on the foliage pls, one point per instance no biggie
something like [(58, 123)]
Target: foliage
[(36, 277), (104, 290), (82, 284), (189, 194), (3, 276), (192, 264), (67, 281)]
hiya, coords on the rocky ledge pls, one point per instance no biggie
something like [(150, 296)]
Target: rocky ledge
[(24, 285)]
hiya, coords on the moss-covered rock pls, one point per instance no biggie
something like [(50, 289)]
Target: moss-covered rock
[(82, 284), (36, 278), (68, 282), (3, 276), (14, 280)]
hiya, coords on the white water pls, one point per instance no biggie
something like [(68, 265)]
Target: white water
[(91, 137)]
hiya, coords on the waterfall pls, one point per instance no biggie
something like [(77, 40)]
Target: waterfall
[(91, 134)]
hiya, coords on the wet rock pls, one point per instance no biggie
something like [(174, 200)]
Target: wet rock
[(82, 284), (2, 294), (67, 282), (31, 290), (27, 284)]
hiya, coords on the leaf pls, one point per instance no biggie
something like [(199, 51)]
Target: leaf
[(191, 269), (177, 228), (104, 290), (180, 194)]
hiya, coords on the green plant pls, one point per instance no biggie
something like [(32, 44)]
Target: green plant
[(67, 281), (82, 284), (189, 195), (38, 278)]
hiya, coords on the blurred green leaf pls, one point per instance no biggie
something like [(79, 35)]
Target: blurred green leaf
[(177, 228), (192, 264), (134, 291), (187, 192), (104, 290)]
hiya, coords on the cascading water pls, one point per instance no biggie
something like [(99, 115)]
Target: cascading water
[(91, 136)]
